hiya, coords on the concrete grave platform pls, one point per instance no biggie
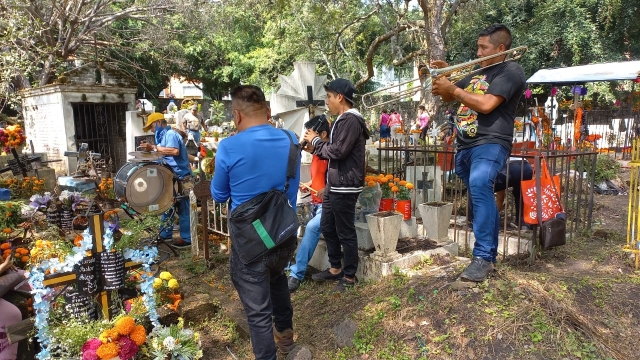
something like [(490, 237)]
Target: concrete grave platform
[(372, 268)]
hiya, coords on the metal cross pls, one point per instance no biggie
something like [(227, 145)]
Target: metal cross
[(310, 102)]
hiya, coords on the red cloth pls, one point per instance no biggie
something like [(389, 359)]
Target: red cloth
[(318, 176)]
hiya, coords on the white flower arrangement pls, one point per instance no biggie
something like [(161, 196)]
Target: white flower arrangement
[(174, 343)]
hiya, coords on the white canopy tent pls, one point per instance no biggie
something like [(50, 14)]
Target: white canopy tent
[(627, 70)]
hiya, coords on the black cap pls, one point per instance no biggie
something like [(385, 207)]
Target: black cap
[(343, 87)]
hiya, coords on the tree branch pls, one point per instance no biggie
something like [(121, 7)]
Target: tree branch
[(364, 17), (379, 41)]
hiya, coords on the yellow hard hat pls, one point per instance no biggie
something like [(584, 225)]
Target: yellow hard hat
[(151, 119)]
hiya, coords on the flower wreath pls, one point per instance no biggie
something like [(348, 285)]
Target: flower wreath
[(41, 293)]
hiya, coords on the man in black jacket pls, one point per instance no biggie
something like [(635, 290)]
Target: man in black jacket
[(345, 151)]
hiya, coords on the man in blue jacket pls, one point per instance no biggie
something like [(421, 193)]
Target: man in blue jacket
[(251, 162), (174, 153), (345, 151)]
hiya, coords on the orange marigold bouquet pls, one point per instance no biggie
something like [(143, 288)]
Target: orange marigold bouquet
[(402, 189), (123, 340), (385, 182), (12, 136)]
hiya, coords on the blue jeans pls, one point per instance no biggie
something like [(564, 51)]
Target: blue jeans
[(478, 167), (182, 208), (307, 245), (196, 136), (518, 170), (264, 293)]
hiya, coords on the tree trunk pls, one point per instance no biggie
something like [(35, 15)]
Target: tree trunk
[(433, 20), (47, 69)]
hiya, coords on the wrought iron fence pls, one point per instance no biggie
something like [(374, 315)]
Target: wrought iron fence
[(432, 169)]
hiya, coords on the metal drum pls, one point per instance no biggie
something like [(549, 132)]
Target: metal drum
[(146, 187)]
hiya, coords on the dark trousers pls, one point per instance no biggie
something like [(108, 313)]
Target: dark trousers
[(339, 230), (263, 290), (423, 133)]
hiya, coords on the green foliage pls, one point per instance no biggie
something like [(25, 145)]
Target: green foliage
[(607, 168), (217, 112), (135, 230)]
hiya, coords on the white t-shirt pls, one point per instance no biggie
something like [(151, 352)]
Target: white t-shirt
[(191, 122)]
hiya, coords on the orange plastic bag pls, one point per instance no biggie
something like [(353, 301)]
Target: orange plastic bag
[(550, 195)]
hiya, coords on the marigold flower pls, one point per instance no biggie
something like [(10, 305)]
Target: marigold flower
[(165, 275), (125, 325), (6, 252), (395, 189), (25, 259), (5, 246), (107, 351), (402, 183), (389, 176), (109, 335), (173, 284), (157, 283), (371, 183), (409, 186), (396, 179), (138, 335)]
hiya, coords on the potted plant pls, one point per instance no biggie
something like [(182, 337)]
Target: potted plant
[(402, 190), (386, 202), (385, 229), (70, 202), (435, 219)]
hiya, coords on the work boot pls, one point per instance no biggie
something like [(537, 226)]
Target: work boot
[(284, 340), (293, 283), (478, 271), (326, 275)]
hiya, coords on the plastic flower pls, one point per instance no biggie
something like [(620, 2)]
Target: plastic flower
[(138, 335), (157, 283), (109, 335), (125, 325), (128, 348), (165, 275), (173, 284), (169, 342), (107, 351)]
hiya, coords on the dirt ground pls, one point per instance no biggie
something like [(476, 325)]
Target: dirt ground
[(579, 301)]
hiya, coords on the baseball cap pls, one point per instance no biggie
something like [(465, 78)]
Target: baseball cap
[(343, 87), (151, 119)]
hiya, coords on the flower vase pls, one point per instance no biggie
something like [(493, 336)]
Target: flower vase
[(112, 270), (53, 217), (386, 204), (403, 207), (435, 219), (67, 220), (385, 230)]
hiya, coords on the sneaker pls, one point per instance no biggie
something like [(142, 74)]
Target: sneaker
[(293, 283), (284, 340), (181, 244), (344, 284), (478, 271), (326, 275)]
